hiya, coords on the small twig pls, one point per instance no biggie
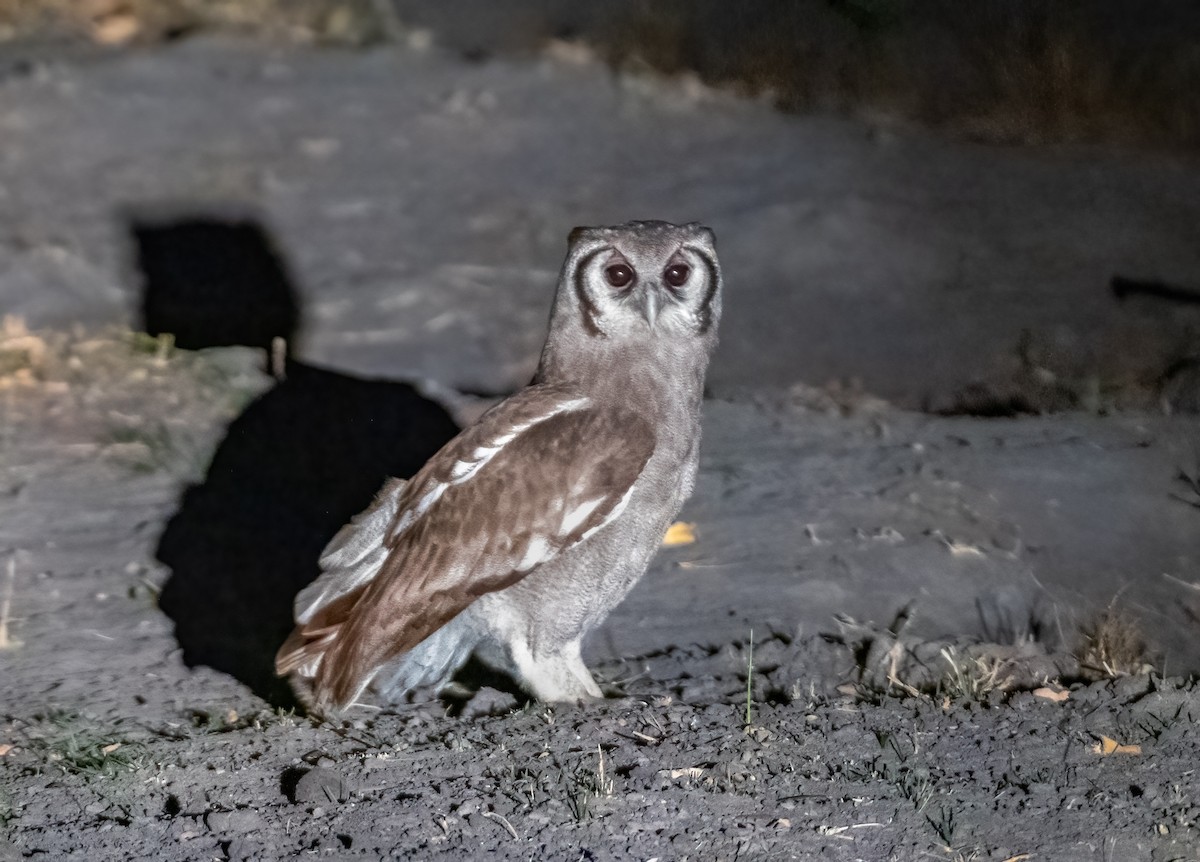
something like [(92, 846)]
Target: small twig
[(492, 815), (166, 344), (1181, 582), (279, 351)]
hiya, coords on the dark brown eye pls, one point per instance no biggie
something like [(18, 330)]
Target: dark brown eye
[(676, 274), (618, 275)]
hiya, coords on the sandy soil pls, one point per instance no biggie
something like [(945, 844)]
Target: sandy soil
[(162, 506)]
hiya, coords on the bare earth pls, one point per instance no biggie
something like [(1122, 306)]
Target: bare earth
[(162, 506)]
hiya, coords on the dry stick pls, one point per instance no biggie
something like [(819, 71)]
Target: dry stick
[(6, 605), (749, 677), (389, 21), (604, 784), (10, 422), (492, 815)]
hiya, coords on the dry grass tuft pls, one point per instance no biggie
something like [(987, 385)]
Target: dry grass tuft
[(79, 745), (971, 678), (22, 353), (120, 22), (1112, 643)]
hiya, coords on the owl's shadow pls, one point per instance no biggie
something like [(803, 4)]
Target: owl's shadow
[(294, 467)]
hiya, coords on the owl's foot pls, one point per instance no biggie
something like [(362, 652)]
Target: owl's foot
[(559, 678)]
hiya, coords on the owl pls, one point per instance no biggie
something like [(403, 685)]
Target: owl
[(520, 535)]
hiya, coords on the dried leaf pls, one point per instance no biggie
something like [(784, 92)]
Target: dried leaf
[(116, 29), (5, 748), (1058, 695), (111, 747), (685, 772), (679, 533), (1107, 746)]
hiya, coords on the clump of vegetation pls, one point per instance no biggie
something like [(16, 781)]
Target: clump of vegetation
[(78, 745), (134, 399), (1112, 643), (972, 678), (588, 786), (994, 70)]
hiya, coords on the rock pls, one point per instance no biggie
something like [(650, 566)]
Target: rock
[(321, 786), (239, 822), (242, 849)]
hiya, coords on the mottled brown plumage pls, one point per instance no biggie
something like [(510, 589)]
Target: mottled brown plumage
[(523, 532)]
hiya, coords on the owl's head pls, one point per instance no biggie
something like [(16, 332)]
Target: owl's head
[(638, 281)]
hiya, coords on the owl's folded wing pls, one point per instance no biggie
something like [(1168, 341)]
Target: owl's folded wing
[(354, 556), (538, 474)]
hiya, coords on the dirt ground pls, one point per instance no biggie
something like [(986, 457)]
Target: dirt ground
[(897, 635)]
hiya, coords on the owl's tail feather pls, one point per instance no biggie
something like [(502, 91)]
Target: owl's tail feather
[(305, 647), (351, 560)]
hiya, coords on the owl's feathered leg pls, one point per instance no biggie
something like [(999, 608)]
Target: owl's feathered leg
[(556, 677), (432, 663)]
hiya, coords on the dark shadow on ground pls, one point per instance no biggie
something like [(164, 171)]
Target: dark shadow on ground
[(293, 468), (212, 281)]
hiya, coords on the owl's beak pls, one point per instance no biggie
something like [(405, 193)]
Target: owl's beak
[(651, 304)]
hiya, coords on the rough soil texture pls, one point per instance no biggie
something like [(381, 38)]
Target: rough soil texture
[(912, 582)]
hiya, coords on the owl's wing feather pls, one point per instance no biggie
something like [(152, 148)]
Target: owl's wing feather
[(535, 476), (353, 556)]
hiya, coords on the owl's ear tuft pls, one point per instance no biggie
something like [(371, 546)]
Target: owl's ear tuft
[(705, 233), (576, 234)]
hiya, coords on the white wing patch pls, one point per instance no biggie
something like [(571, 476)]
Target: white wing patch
[(466, 468), (578, 515), (538, 552), (612, 516)]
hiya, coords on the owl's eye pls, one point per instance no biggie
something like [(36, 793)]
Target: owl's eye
[(676, 274), (619, 274)]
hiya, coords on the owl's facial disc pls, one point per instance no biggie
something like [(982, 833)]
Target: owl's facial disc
[(651, 295), (644, 276)]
